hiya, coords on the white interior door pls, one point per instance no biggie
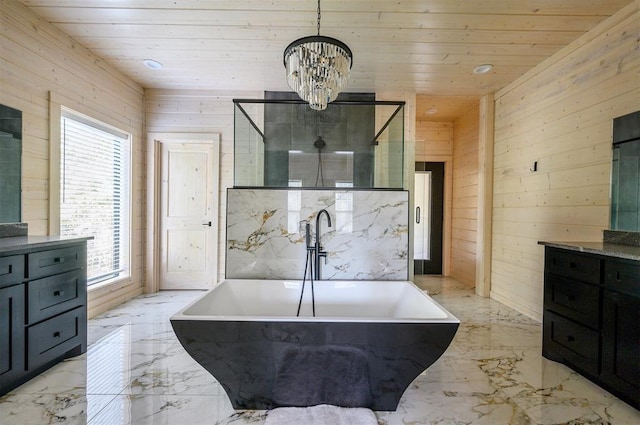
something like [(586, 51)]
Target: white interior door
[(422, 198), (189, 214)]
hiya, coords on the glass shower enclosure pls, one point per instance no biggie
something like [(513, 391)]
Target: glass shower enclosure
[(351, 144)]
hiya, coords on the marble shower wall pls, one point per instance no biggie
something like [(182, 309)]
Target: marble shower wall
[(368, 240)]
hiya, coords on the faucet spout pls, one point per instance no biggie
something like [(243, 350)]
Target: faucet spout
[(318, 252)]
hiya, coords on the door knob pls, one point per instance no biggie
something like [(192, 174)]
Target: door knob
[(207, 224)]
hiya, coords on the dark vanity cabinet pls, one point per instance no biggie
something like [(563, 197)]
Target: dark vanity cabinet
[(591, 318), (621, 326), (43, 308), (12, 354)]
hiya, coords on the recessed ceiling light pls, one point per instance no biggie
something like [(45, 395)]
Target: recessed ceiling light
[(482, 69), (152, 64), (431, 111)]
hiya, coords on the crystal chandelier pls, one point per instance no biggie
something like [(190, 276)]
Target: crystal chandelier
[(317, 68)]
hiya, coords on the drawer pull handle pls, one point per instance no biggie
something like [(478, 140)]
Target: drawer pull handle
[(58, 260), (57, 334), (570, 338), (618, 275), (58, 293)]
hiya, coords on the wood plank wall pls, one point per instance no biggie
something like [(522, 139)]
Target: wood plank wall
[(559, 115), (39, 61), (434, 140), (464, 223), (200, 111)]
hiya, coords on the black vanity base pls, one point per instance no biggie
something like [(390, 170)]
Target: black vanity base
[(591, 319)]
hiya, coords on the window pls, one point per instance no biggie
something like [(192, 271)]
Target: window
[(94, 193)]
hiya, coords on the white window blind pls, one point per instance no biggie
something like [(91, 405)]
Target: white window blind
[(94, 193)]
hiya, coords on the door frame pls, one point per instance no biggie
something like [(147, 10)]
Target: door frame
[(436, 216), (448, 196), (154, 191)]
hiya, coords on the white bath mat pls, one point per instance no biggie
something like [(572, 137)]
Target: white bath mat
[(322, 414)]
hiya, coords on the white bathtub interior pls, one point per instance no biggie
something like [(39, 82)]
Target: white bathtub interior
[(334, 300)]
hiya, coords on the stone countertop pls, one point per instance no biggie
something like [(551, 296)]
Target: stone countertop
[(601, 248), (18, 243)]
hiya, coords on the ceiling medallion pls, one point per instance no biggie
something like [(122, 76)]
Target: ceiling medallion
[(317, 68)]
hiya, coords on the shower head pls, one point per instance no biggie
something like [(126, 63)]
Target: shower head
[(319, 143)]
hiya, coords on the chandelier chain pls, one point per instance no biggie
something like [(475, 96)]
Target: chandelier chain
[(318, 17)]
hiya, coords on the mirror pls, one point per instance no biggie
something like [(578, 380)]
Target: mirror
[(10, 164), (625, 173)]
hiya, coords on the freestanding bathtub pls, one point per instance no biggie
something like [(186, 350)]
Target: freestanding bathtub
[(368, 341)]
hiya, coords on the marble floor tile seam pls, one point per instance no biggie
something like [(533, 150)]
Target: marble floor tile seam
[(69, 392), (63, 388), (99, 410), (157, 321), (506, 376), (172, 409), (144, 359), (43, 409), (105, 340)]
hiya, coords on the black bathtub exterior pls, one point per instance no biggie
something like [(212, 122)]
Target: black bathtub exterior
[(250, 358)]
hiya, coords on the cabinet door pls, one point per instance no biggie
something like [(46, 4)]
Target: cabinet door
[(621, 343), (622, 276), (11, 336)]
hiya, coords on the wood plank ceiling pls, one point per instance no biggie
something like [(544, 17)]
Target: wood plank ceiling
[(423, 46)]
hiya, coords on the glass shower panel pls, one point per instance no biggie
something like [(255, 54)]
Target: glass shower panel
[(355, 143), (248, 153), (389, 150)]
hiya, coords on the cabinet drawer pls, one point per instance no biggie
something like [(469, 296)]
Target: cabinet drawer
[(11, 270), (53, 338), (622, 276), (574, 343), (47, 263), (573, 265), (55, 294), (573, 299)]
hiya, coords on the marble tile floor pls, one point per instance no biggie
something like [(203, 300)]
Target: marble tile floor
[(136, 372)]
